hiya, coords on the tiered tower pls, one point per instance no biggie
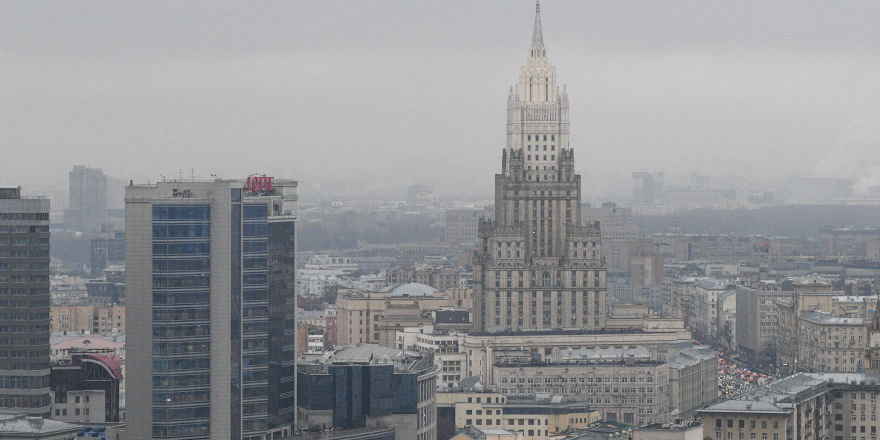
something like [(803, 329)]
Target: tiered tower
[(536, 267)]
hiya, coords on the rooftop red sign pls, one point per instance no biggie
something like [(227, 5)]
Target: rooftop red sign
[(260, 184)]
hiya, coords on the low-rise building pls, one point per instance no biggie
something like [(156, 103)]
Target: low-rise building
[(359, 313), (85, 388), (22, 427), (803, 406), (369, 386), (628, 386), (532, 419)]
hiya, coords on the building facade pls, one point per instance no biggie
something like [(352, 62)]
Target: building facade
[(756, 321), (359, 313), (802, 406), (633, 392), (24, 303), (369, 386), (536, 267), (96, 319), (210, 296), (529, 419), (87, 199)]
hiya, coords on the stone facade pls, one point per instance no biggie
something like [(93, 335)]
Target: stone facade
[(96, 319), (536, 267), (631, 392)]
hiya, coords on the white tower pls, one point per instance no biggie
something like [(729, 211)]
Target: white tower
[(537, 113)]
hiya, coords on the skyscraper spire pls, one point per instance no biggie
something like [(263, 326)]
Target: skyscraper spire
[(537, 35)]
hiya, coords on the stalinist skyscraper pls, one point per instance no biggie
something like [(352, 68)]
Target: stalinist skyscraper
[(536, 268)]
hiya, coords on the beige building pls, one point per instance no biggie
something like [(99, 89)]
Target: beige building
[(96, 319), (440, 278), (799, 407), (829, 343), (359, 313), (629, 387), (531, 419), (482, 348), (820, 331)]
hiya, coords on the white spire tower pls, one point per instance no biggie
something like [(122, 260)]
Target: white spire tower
[(537, 113)]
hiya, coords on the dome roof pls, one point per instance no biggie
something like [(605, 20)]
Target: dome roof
[(412, 289)]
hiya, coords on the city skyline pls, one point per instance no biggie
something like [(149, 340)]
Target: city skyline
[(787, 85)]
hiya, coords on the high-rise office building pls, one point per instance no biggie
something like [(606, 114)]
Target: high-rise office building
[(210, 304), (536, 267), (24, 303), (87, 209)]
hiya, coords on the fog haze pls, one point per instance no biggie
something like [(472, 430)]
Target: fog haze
[(400, 92)]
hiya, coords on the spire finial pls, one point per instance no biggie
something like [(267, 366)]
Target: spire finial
[(537, 34)]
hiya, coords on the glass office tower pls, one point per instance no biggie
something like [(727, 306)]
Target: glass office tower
[(24, 303), (210, 286)]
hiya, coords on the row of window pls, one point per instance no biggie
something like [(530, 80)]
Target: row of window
[(538, 157), (20, 229), (24, 216), (33, 241), (538, 137)]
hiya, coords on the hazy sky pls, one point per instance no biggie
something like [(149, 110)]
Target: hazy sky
[(405, 92)]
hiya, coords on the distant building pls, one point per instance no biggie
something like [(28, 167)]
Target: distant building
[(369, 386), (87, 210), (702, 303), (24, 303), (359, 314), (442, 278), (105, 251), (619, 233), (802, 406), (756, 321), (421, 195), (96, 319), (647, 186), (461, 226)]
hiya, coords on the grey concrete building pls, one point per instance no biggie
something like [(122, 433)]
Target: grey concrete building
[(625, 385), (756, 320), (536, 267), (87, 207), (210, 304), (24, 303)]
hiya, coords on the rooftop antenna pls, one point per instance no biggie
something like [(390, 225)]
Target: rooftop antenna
[(192, 174), (179, 175)]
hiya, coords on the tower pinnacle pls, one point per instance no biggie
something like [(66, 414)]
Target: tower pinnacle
[(537, 49)]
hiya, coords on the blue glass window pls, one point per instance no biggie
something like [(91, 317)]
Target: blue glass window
[(181, 212), (255, 211), (255, 229)]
